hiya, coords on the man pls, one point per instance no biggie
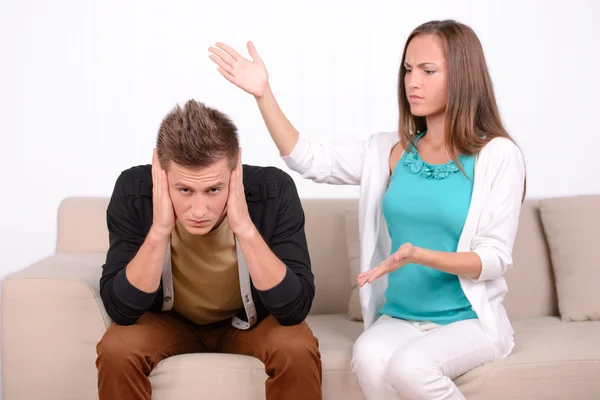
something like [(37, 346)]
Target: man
[(206, 256)]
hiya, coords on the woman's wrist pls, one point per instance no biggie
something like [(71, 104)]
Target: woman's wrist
[(266, 92)]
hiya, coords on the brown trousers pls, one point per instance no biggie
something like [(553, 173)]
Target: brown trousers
[(127, 354)]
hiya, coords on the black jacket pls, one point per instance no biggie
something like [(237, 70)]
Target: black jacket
[(275, 210)]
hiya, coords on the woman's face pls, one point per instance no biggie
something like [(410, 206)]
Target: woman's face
[(426, 79)]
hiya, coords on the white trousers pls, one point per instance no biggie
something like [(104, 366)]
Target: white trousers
[(398, 359)]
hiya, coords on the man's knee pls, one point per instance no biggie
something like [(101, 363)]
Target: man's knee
[(117, 347), (295, 344)]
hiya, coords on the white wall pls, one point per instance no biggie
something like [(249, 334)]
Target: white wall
[(85, 84)]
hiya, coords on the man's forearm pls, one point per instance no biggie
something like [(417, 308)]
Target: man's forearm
[(266, 270), (145, 270)]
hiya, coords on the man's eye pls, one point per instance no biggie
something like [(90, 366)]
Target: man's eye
[(184, 191), (214, 190), (430, 72)]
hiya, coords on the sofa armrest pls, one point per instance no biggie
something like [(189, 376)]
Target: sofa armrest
[(52, 319)]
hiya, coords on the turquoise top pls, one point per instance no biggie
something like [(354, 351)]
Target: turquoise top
[(427, 205)]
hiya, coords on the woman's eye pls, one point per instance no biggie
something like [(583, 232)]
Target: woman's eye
[(430, 72)]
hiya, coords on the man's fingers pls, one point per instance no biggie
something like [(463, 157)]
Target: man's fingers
[(232, 183), (154, 167), (164, 182), (239, 166)]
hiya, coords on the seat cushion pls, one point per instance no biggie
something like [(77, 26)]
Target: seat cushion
[(336, 336), (226, 376), (551, 360)]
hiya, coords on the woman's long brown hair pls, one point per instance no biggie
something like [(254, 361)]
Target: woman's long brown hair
[(472, 116)]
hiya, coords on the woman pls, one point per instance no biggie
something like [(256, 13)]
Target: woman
[(439, 206)]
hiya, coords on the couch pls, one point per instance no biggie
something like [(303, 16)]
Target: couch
[(52, 318)]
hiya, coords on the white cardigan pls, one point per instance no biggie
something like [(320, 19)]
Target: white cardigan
[(489, 231)]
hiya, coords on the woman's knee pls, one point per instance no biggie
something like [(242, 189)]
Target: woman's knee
[(409, 371), (368, 355), (360, 354)]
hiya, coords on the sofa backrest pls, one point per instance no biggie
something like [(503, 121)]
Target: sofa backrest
[(531, 285), (82, 228), (82, 225)]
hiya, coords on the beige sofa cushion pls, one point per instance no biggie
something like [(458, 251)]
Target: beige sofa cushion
[(325, 227), (177, 377), (353, 245), (531, 287), (551, 360), (82, 225), (572, 226)]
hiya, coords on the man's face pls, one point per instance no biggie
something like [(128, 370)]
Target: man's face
[(199, 195)]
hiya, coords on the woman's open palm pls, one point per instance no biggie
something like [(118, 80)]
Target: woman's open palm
[(251, 76)]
